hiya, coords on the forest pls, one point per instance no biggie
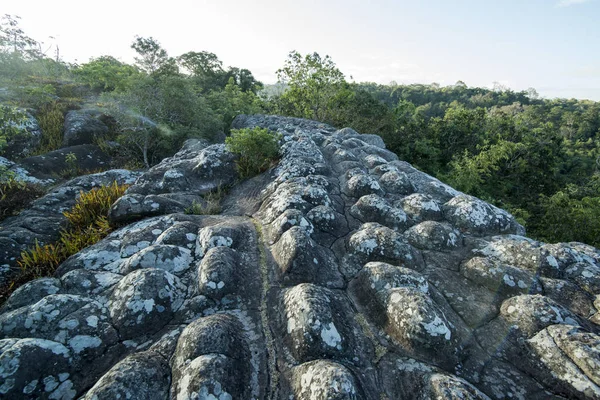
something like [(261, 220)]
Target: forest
[(537, 158)]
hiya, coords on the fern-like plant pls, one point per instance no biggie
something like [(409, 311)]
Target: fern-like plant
[(87, 224)]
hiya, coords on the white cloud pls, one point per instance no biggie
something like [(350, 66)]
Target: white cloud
[(568, 3)]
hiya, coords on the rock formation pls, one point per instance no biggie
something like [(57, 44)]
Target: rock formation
[(343, 273)]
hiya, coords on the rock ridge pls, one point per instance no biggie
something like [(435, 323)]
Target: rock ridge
[(342, 273)]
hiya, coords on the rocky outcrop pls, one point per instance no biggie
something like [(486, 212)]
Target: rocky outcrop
[(177, 182), (42, 222), (23, 175), (88, 157), (83, 127), (351, 275)]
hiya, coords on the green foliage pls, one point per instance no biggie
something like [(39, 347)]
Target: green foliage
[(43, 260), (14, 41), (257, 149), (51, 118), (93, 205), (35, 94), (157, 114), (16, 195), (567, 216), (106, 73), (152, 58), (72, 167), (312, 83), (232, 101), (11, 123)]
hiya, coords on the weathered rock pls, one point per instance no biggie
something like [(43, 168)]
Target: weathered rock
[(144, 375), (43, 221), (374, 208), (421, 207), (177, 182), (344, 268), (23, 175), (89, 157), (83, 127), (145, 301), (31, 292), (320, 380), (474, 216), (569, 358), (432, 235), (25, 373)]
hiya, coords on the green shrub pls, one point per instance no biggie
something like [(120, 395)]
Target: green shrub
[(87, 224), (16, 196), (257, 149)]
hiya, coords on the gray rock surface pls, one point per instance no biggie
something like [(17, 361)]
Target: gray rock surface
[(342, 273), (89, 158), (22, 174), (177, 182), (83, 127), (43, 221), (24, 143)]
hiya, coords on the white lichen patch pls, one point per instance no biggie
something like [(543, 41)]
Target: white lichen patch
[(437, 327), (80, 343), (331, 336)]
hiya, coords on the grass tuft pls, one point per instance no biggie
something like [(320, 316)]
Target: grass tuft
[(213, 203), (87, 225)]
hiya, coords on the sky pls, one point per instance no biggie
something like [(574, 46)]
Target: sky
[(550, 45)]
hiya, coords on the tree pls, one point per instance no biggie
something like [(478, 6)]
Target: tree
[(14, 41), (153, 59), (312, 83), (358, 109), (232, 101), (158, 113), (244, 79), (106, 73), (460, 129), (205, 68)]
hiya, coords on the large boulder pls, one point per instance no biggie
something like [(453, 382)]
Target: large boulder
[(83, 127), (177, 182), (88, 158)]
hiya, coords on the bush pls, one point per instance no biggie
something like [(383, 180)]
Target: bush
[(565, 217), (257, 148), (16, 196), (87, 224)]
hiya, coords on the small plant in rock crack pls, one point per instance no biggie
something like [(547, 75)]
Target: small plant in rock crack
[(257, 148), (16, 195), (212, 203)]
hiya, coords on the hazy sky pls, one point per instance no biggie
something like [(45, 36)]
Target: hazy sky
[(551, 45)]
